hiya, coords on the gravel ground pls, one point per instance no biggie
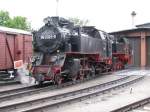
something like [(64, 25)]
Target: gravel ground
[(113, 100)]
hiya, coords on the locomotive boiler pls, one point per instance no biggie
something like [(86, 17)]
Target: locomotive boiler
[(64, 51)]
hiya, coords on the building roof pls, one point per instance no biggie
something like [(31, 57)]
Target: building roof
[(131, 30), (145, 25), (13, 31)]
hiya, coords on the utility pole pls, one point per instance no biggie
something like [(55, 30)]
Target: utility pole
[(57, 2), (133, 14)]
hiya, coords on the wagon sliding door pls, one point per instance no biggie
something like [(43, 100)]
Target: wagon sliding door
[(9, 50)]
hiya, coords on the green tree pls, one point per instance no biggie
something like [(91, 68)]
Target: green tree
[(4, 18), (78, 21), (18, 22)]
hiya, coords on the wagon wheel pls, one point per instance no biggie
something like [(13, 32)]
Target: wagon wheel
[(58, 79)]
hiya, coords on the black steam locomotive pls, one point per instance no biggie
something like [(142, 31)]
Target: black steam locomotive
[(67, 52)]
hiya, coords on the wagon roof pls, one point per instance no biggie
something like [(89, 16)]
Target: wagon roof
[(13, 31)]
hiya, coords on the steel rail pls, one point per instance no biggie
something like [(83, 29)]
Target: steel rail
[(57, 100), (16, 90), (6, 83), (47, 85), (132, 106), (21, 89), (32, 90), (84, 97)]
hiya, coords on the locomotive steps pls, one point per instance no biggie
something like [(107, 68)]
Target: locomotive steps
[(41, 104)]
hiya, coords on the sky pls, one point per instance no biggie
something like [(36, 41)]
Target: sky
[(107, 15)]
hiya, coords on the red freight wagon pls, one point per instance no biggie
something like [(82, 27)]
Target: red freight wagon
[(14, 45)]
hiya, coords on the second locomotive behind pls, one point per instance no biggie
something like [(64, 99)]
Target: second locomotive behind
[(67, 52)]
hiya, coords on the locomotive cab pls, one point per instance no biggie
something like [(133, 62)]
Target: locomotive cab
[(121, 52)]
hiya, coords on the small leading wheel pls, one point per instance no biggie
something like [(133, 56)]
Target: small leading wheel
[(58, 79)]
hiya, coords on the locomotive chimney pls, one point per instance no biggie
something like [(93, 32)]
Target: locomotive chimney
[(57, 3)]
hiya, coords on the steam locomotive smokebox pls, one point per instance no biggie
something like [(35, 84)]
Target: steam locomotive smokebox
[(48, 39)]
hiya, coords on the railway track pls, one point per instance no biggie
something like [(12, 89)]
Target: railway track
[(42, 104), (12, 82), (34, 89), (16, 91), (26, 91), (21, 89), (133, 106)]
